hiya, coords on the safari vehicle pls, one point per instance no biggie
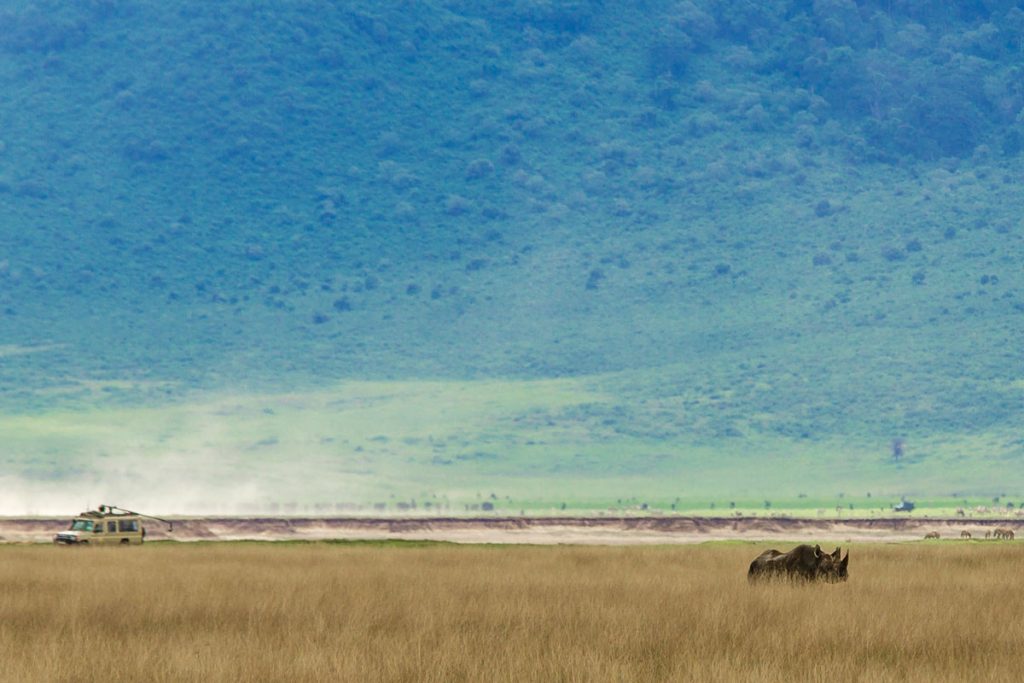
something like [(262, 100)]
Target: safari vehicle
[(903, 506), (108, 525)]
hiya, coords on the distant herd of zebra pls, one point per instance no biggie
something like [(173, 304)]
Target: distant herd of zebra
[(1001, 533)]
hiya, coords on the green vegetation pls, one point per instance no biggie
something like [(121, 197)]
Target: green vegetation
[(502, 447), (562, 251)]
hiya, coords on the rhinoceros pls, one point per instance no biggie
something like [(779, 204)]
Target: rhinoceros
[(802, 562)]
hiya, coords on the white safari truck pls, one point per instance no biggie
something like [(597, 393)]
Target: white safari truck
[(109, 525)]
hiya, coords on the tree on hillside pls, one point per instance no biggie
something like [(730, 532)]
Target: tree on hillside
[(897, 449)]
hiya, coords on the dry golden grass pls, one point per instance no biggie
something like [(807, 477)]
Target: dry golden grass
[(261, 612)]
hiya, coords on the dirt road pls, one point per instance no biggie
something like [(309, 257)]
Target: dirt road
[(534, 530)]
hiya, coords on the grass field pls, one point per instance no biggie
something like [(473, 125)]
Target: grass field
[(586, 443), (415, 612)]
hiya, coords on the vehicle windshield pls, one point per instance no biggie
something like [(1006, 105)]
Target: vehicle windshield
[(81, 525)]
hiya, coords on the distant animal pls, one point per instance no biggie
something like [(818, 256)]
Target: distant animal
[(965, 534), (988, 534), (803, 562), (932, 534), (1003, 533)]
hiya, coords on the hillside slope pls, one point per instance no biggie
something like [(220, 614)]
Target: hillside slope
[(789, 221)]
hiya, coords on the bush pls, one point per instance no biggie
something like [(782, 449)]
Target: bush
[(479, 168), (669, 54), (894, 254), (839, 21), (510, 155), (37, 30), (743, 19), (561, 16), (456, 205)]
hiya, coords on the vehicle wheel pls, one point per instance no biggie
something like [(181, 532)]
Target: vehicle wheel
[(125, 541)]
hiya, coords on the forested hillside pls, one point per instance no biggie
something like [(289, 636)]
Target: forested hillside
[(788, 220)]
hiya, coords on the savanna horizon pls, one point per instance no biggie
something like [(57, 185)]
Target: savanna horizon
[(308, 612)]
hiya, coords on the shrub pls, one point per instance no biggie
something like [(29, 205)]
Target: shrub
[(510, 155), (37, 30), (456, 205), (894, 254), (561, 16), (144, 150), (742, 19), (479, 87), (479, 168), (669, 54), (695, 21), (584, 50), (621, 207), (757, 118), (839, 21), (1012, 143)]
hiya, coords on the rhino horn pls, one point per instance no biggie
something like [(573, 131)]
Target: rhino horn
[(846, 559), (836, 554)]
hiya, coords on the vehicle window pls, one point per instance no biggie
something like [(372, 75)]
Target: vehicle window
[(81, 525), (111, 527), (98, 529), (128, 525)]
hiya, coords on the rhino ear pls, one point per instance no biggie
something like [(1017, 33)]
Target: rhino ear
[(817, 551), (836, 554)]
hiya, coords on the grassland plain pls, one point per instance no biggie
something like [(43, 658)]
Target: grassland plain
[(414, 612), (448, 446)]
